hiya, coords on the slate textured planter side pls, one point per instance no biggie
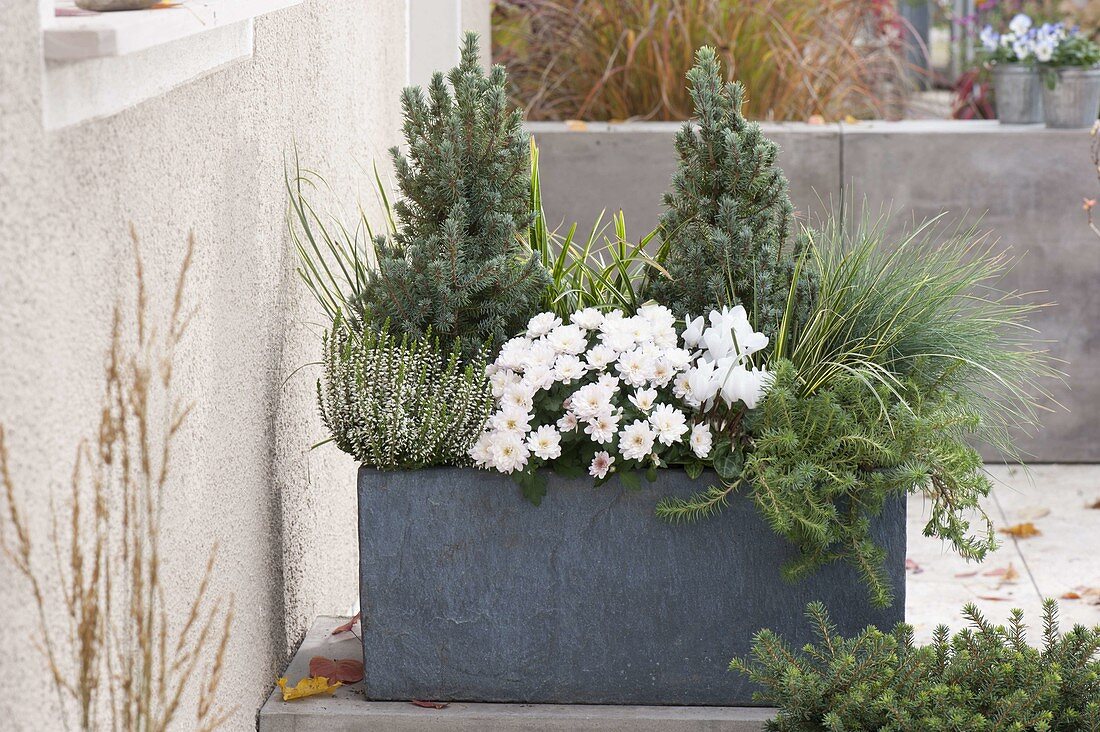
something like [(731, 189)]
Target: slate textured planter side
[(471, 593)]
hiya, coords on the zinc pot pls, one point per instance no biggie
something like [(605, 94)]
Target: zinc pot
[(1071, 96), (1016, 88), (471, 593)]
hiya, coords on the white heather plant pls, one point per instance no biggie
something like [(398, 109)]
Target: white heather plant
[(400, 403), (613, 394)]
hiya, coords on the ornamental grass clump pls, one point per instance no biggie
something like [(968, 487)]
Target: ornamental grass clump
[(984, 678), (399, 403)]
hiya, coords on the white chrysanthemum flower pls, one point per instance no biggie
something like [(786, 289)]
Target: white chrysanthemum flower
[(587, 318), (669, 423), (681, 385), (509, 453), (678, 358), (636, 440), (539, 353), (591, 400), (545, 443), (635, 367), (568, 422), (665, 337), (657, 315), (640, 329), (511, 420), (500, 379), (538, 377), (701, 441), (568, 368), (616, 333), (518, 396), (601, 428), (513, 354), (482, 451), (542, 324), (568, 339), (609, 383), (601, 465), (599, 356), (643, 399), (662, 373)]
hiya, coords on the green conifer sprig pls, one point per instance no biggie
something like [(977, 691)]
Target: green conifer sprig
[(457, 263), (984, 678), (728, 216)]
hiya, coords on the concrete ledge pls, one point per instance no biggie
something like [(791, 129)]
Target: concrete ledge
[(346, 710)]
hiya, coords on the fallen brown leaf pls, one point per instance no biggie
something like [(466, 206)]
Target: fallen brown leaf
[(971, 573), (307, 687), (1095, 504), (997, 598), (1007, 574), (346, 627), (428, 704), (345, 670), (912, 566), (576, 125), (1022, 531), (1071, 596)]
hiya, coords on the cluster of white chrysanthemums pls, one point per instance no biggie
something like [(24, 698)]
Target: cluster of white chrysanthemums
[(611, 392)]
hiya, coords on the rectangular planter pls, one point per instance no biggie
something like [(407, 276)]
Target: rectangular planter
[(471, 593)]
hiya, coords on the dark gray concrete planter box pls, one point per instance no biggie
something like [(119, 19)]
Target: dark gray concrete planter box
[(471, 593)]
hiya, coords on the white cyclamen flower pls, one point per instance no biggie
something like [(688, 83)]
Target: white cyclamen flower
[(693, 333), (599, 356), (588, 318), (701, 440), (542, 324), (741, 384), (643, 399), (1020, 25), (601, 465), (511, 420), (568, 368), (545, 443), (731, 335), (509, 453), (636, 440), (669, 423), (601, 428), (702, 384)]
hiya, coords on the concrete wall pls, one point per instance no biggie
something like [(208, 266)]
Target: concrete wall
[(1028, 183), (206, 156)]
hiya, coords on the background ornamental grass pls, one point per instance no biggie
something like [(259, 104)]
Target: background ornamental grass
[(626, 59)]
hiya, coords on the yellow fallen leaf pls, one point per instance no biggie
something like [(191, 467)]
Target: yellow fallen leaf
[(851, 120), (1022, 531), (308, 687), (576, 125)]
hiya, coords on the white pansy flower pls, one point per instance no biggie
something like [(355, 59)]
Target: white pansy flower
[(542, 324), (643, 399), (669, 423), (545, 443), (568, 368), (636, 440), (509, 453), (1020, 24), (701, 441), (601, 465), (588, 318), (601, 428), (568, 339)]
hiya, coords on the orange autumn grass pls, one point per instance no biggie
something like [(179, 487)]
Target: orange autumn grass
[(121, 664)]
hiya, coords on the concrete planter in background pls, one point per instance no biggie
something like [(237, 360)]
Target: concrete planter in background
[(469, 592), (1071, 97), (1016, 88)]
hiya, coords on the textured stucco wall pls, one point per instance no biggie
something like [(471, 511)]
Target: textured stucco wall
[(206, 156)]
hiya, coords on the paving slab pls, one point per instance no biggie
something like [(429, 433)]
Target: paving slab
[(1061, 561), (347, 710)]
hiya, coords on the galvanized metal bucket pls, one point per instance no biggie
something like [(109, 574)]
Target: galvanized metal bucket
[(1017, 91), (1074, 100)]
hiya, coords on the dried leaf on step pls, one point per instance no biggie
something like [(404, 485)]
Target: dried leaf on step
[(912, 566), (428, 704), (346, 627), (996, 598), (1071, 595), (308, 687), (971, 573), (345, 670), (1022, 531), (1007, 574), (1095, 504), (576, 125)]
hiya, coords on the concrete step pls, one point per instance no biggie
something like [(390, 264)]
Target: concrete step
[(347, 709)]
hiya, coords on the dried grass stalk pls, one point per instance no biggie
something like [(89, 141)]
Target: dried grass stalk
[(626, 59), (121, 664)]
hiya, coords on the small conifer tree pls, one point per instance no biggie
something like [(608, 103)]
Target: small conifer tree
[(727, 215), (456, 263)]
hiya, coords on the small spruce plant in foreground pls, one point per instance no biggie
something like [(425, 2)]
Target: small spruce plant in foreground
[(982, 679)]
